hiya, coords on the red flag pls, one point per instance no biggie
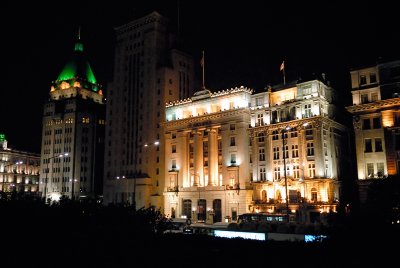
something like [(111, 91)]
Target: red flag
[(282, 66)]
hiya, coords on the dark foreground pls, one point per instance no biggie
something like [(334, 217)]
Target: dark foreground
[(73, 235)]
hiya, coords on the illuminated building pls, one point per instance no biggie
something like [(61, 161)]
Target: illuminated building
[(206, 155), (376, 121), (19, 170), (72, 150), (376, 117), (298, 151), (149, 70), (224, 153)]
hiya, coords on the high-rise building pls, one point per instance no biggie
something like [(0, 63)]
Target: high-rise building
[(72, 152), (19, 170), (376, 119), (149, 70), (232, 152)]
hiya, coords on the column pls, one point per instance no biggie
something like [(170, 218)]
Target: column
[(183, 176), (212, 157), (198, 157)]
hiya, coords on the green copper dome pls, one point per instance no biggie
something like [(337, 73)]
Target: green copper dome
[(77, 66)]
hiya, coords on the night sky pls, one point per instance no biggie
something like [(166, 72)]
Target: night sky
[(244, 45)]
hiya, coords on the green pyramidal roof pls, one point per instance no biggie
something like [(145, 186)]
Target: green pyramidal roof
[(77, 66)]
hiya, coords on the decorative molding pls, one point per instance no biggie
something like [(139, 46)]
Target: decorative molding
[(373, 106)]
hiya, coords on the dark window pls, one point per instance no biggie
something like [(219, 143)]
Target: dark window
[(368, 145), (366, 124), (363, 80), (378, 145), (377, 122), (372, 78)]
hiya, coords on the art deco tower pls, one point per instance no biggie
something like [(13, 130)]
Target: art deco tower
[(149, 71), (73, 133)]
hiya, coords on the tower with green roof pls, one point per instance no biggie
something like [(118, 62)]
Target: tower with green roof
[(73, 133)]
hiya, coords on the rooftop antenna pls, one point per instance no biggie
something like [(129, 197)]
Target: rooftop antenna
[(79, 33)]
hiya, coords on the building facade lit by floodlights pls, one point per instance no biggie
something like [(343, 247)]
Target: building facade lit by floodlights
[(72, 150), (376, 119), (298, 151), (207, 155), (19, 170), (226, 153), (150, 69)]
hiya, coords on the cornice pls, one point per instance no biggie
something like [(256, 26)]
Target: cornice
[(374, 106), (316, 121), (206, 118)]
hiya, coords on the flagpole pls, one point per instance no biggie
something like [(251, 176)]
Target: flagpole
[(284, 75), (202, 64)]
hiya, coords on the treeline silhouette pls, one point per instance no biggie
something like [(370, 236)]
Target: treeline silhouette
[(89, 234)]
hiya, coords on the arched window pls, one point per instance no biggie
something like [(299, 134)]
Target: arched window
[(314, 195), (264, 195)]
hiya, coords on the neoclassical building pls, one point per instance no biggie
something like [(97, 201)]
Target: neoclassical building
[(298, 151), (232, 152), (376, 119), (19, 170), (207, 155), (72, 150)]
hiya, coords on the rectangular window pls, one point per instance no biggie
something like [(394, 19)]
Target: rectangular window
[(233, 158), (173, 149), (364, 98), (260, 137), (277, 173), (368, 146), (376, 122), (310, 149), (233, 143), (372, 78), (307, 111), (366, 123), (276, 153), (285, 152), (380, 169), (261, 154), (232, 126), (295, 151), (370, 170), (378, 145), (260, 119), (363, 80), (259, 101), (262, 174), (173, 135), (173, 165), (311, 170), (296, 171)]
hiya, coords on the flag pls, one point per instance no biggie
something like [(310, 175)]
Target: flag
[(202, 61), (282, 66)]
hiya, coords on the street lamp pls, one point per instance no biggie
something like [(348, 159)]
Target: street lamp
[(284, 130), (47, 172), (4, 171)]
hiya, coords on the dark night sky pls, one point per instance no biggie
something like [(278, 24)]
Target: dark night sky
[(244, 45)]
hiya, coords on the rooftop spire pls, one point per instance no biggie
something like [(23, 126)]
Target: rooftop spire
[(79, 33)]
